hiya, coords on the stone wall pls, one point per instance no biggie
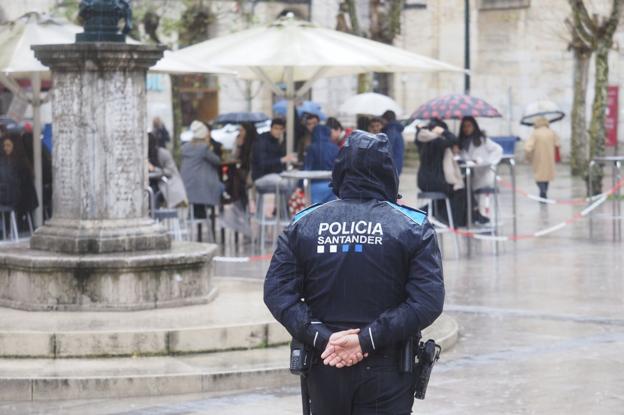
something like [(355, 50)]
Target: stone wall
[(519, 55)]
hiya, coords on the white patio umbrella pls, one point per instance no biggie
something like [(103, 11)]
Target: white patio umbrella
[(370, 103), (290, 50), (17, 60)]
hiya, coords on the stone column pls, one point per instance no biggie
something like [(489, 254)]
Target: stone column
[(100, 150)]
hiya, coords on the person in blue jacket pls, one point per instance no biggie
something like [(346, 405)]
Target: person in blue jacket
[(353, 279), (320, 155), (394, 130)]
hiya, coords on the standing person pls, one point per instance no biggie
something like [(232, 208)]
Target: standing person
[(540, 151), (375, 125), (9, 175), (160, 132), (309, 121), (321, 155), (363, 297), (362, 123), (242, 152), (438, 172), (17, 178), (172, 187), (199, 169), (394, 130), (269, 159), (338, 135)]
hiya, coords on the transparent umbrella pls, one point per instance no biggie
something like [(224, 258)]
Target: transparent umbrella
[(370, 103), (543, 108)]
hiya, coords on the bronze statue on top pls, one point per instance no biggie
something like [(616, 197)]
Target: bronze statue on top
[(101, 18)]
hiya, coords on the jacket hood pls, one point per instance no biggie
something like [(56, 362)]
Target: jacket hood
[(364, 169), (321, 134)]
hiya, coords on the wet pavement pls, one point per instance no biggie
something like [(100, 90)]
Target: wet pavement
[(541, 326)]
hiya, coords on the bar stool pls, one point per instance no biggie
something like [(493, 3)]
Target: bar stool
[(171, 220), (430, 197), (7, 211), (211, 215), (281, 214)]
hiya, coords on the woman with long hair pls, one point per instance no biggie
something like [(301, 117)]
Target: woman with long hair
[(483, 152)]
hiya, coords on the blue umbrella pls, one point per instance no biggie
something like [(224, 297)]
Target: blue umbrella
[(310, 107), (241, 117)]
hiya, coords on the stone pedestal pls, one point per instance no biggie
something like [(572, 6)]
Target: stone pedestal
[(101, 250), (37, 280), (100, 150)]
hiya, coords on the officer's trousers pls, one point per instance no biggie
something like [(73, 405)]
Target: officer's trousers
[(372, 387)]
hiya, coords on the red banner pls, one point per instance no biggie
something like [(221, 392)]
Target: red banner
[(611, 117)]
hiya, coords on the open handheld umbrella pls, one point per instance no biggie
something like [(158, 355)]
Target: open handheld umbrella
[(455, 107), (310, 107), (370, 103), (241, 117), (543, 108)]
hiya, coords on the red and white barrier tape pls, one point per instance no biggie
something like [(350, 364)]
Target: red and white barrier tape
[(597, 201), (574, 202)]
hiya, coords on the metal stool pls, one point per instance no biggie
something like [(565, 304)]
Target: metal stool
[(4, 211), (172, 221), (430, 197), (493, 228), (281, 216), (209, 217)]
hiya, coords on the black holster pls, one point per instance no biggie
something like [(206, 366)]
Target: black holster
[(418, 358)]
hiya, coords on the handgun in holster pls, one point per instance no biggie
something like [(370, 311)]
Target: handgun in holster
[(418, 358), (300, 363)]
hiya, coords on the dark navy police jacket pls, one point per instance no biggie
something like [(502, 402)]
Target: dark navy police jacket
[(361, 261)]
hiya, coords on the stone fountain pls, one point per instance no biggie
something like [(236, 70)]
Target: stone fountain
[(101, 250)]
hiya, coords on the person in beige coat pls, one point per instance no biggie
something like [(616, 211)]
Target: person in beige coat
[(540, 151)]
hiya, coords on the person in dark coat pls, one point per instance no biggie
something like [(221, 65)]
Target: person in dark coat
[(353, 279), (17, 186), (321, 155), (160, 132), (433, 141), (269, 159), (394, 130)]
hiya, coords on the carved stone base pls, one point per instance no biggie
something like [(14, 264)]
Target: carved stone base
[(100, 236), (36, 280)]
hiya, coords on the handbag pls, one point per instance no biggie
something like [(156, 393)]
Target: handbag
[(557, 155)]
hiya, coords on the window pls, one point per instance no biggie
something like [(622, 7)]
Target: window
[(415, 4), (503, 4)]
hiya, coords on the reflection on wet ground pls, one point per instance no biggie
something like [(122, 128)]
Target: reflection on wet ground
[(542, 325)]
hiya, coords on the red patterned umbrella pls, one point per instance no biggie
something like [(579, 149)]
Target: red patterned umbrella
[(455, 107)]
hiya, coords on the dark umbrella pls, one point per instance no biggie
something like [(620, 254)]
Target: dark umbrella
[(241, 117), (455, 107)]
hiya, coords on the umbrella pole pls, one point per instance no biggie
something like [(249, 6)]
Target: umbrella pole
[(36, 103), (290, 114)]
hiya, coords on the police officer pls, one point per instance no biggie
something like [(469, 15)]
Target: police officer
[(353, 279)]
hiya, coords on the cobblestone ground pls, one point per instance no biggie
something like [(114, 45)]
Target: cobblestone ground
[(541, 327)]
